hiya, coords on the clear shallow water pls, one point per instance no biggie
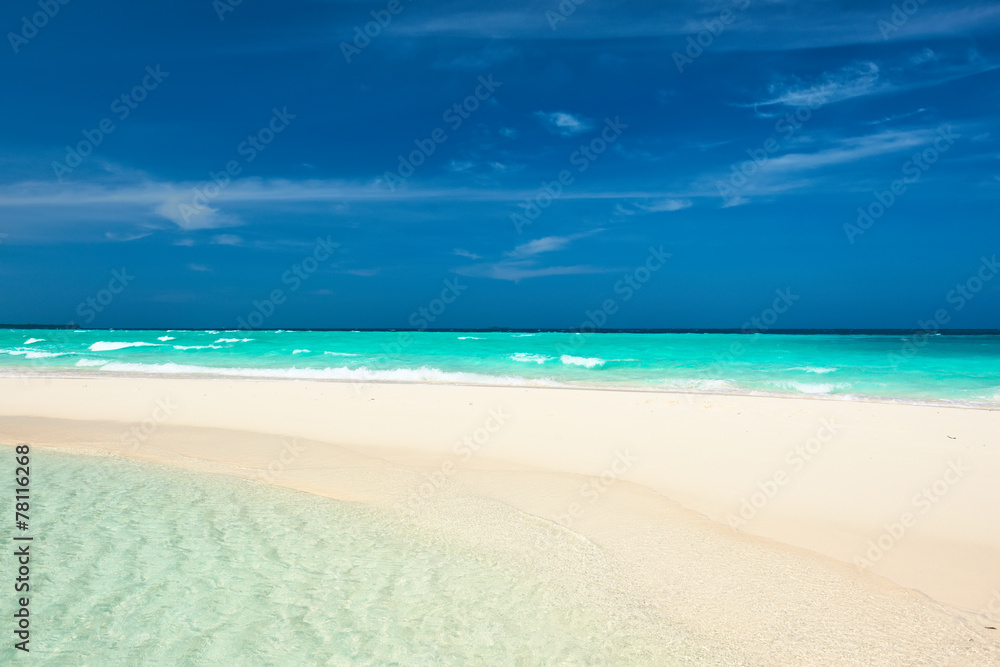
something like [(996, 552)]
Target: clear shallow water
[(135, 563), (962, 368)]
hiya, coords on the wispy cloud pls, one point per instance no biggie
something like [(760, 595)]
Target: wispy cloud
[(364, 273), (124, 238), (849, 82), (465, 253), (538, 246), (178, 207), (199, 267), (852, 150), (661, 205), (522, 263), (786, 25), (227, 239), (517, 271), (149, 196), (563, 124)]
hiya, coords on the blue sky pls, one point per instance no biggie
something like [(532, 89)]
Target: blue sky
[(206, 147)]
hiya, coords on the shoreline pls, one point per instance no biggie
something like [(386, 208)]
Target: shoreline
[(627, 471), (555, 385)]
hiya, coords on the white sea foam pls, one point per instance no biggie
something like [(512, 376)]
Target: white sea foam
[(529, 358), (102, 346), (197, 347), (589, 362), (165, 338), (92, 362), (234, 340), (32, 354), (33, 340), (422, 374), (469, 338), (341, 354), (522, 335), (299, 351), (703, 384), (813, 369), (811, 387)]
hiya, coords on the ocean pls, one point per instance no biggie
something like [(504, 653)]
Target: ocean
[(901, 366)]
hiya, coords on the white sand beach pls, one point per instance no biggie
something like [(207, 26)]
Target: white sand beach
[(837, 532)]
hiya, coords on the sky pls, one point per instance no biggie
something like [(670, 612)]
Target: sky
[(537, 164)]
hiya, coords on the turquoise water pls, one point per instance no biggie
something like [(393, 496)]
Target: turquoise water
[(964, 368), (138, 564)]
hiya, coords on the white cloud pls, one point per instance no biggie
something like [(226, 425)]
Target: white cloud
[(227, 239), (199, 267), (849, 82), (851, 150), (657, 205), (547, 244), (521, 263), (660, 205), (124, 238), (465, 253), (517, 270), (925, 56), (563, 124), (178, 207), (538, 246)]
